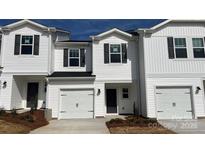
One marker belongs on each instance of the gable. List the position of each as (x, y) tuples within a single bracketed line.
[(180, 29)]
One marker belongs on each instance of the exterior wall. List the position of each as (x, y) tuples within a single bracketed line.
[(58, 59), (127, 104), (5, 98), (25, 63), (61, 36), (14, 96), (156, 51), (105, 72), (100, 104), (41, 90), (198, 99), (53, 92)]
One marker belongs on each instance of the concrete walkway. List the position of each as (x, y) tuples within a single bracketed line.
[(74, 126), (185, 126)]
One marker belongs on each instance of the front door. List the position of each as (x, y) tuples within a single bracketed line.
[(111, 99), (32, 95)]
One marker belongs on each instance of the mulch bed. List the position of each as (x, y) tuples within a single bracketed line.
[(136, 125), (27, 121)]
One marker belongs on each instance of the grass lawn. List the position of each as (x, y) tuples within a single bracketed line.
[(136, 125), (13, 123)]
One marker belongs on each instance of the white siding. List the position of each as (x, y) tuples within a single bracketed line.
[(156, 50), (100, 105), (116, 72), (53, 92), (198, 99), (181, 29), (5, 98), (25, 63), (58, 59)]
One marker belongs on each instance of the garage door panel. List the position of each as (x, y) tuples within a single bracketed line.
[(76, 104), (173, 103)]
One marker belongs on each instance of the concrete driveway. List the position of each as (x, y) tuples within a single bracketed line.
[(74, 126), (185, 126)]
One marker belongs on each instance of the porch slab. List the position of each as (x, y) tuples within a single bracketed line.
[(74, 126)]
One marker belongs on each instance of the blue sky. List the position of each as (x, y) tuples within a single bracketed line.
[(81, 29)]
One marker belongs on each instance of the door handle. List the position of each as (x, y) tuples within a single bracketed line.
[(160, 111), (76, 104), (188, 110), (91, 111)]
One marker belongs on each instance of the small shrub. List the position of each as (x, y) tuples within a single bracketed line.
[(2, 111), (28, 117), (14, 112)]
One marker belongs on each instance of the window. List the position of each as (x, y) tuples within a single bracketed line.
[(198, 47), (125, 93), (26, 45), (115, 53), (74, 57), (180, 48)]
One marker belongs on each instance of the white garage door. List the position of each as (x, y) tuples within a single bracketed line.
[(174, 103), (76, 104)]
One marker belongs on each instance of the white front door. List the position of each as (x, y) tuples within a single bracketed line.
[(76, 104), (174, 103)]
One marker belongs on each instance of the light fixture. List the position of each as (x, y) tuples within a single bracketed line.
[(98, 93), (197, 90), (4, 84)]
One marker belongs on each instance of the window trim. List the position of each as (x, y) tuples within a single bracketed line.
[(198, 47), (120, 53), (180, 47), (125, 93), (20, 53), (74, 57)]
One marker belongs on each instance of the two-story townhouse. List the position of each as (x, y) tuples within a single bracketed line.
[(42, 67), (26, 60), (94, 78), (172, 69)]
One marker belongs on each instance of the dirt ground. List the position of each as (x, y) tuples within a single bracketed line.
[(136, 125), (12, 123)]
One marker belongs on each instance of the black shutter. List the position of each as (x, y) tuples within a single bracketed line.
[(17, 44), (124, 52), (170, 47), (106, 53), (82, 57), (36, 44), (65, 58)]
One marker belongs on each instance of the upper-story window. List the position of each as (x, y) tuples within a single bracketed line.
[(180, 47), (26, 45), (115, 53), (198, 47), (74, 57)]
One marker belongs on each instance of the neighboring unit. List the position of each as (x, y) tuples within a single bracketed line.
[(172, 69)]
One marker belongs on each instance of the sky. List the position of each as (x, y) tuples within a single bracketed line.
[(81, 29)]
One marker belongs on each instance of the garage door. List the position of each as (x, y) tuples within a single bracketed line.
[(174, 103), (76, 104)]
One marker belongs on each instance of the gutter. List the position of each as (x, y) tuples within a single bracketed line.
[(71, 78)]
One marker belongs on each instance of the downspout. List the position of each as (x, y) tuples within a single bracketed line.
[(142, 35)]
